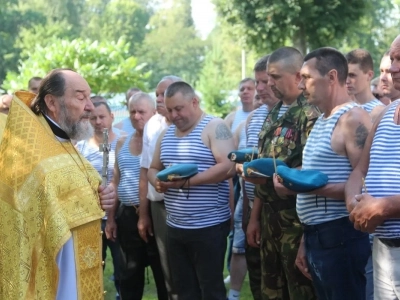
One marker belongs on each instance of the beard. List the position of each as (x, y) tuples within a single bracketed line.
[(76, 130)]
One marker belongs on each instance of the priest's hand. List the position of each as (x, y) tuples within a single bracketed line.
[(111, 229), (107, 196)]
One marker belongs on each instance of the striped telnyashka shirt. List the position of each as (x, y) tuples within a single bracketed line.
[(129, 169), (253, 130), (197, 206), (369, 106), (318, 155), (383, 177)]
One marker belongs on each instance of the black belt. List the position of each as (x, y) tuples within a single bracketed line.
[(338, 222), (393, 243), (275, 206)]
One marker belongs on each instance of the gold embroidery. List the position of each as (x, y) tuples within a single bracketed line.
[(44, 197), (88, 265)]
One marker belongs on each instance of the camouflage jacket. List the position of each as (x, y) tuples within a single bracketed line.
[(289, 135)]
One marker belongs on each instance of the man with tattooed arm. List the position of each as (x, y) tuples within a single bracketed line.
[(332, 252)]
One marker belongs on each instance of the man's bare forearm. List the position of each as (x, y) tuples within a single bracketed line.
[(331, 190), (151, 176), (215, 174), (256, 211), (143, 189), (353, 186)]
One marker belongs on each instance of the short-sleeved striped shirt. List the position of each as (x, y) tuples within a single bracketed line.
[(383, 177), (196, 206), (318, 155), (253, 130), (369, 106), (95, 157), (255, 125), (129, 169)]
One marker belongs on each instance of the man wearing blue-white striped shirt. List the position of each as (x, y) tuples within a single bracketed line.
[(198, 214), (254, 124), (332, 251), (377, 209), (361, 72)]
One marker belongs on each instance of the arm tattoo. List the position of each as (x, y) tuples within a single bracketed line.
[(361, 135), (222, 132)]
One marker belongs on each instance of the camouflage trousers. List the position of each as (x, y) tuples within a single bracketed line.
[(253, 260), (280, 239)]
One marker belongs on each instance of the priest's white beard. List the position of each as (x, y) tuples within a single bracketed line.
[(76, 130)]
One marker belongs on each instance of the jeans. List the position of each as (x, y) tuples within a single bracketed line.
[(337, 255), (239, 239), (196, 258), (236, 191)]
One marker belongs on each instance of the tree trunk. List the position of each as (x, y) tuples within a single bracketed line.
[(299, 40)]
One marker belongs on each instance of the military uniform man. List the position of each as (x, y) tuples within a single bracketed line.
[(282, 136)]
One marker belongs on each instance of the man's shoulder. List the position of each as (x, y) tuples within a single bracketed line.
[(354, 116), (218, 128)]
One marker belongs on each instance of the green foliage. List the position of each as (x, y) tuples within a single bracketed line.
[(375, 31), (171, 46), (110, 20), (12, 20), (221, 73), (213, 86), (268, 24), (108, 67)]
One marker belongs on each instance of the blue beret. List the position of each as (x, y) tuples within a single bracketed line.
[(301, 181), (178, 171), (263, 167), (243, 155)]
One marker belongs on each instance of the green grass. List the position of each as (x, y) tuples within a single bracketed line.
[(150, 288)]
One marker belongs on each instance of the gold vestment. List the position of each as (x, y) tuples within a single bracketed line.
[(48, 192), (3, 120)]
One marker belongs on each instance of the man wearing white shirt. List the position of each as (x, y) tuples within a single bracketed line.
[(152, 218)]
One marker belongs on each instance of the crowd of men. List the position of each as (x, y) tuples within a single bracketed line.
[(322, 111)]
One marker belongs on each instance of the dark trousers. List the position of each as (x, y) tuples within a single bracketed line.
[(159, 216), (135, 256), (196, 259), (337, 255), (114, 249)]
